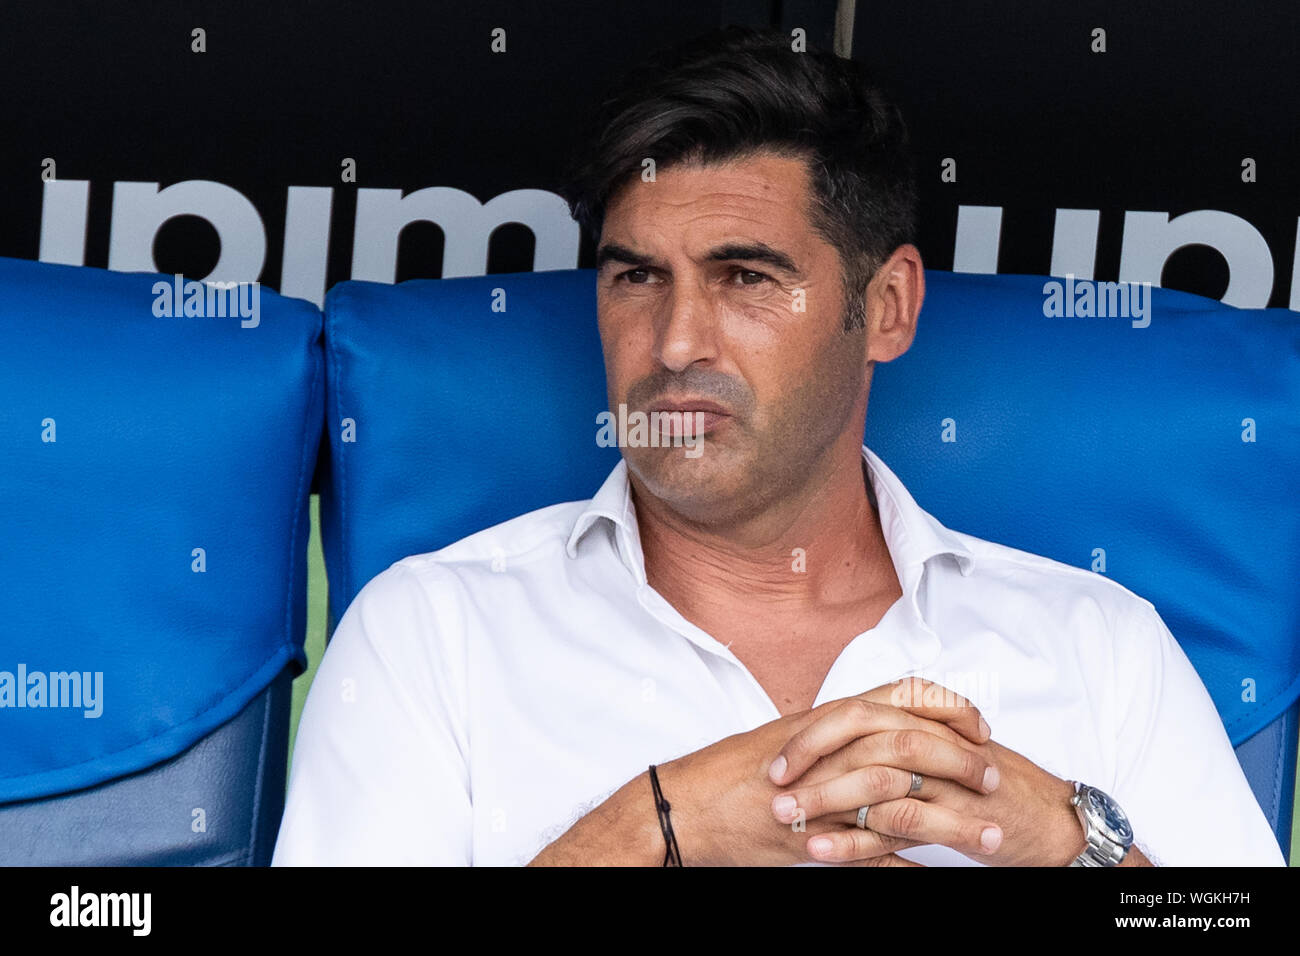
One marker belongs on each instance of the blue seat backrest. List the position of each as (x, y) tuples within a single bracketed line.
[(451, 407)]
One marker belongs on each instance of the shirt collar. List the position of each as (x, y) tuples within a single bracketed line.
[(914, 537), (613, 502)]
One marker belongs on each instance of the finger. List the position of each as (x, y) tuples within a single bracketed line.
[(933, 757), (888, 759), (933, 701), (925, 698), (932, 823), (889, 859), (865, 786), (854, 717), (933, 790), (857, 846)]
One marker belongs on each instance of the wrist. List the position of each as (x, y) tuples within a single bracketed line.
[(1069, 835), (621, 831), (645, 843), (689, 828), (1107, 831)]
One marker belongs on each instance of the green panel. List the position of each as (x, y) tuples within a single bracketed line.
[(1295, 827), (317, 594)]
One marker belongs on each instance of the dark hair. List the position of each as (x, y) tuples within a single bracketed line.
[(736, 91)]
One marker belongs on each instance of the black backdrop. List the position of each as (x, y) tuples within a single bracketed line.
[(1013, 93), (1159, 122)]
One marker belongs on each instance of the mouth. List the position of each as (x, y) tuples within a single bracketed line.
[(689, 417), (690, 405)]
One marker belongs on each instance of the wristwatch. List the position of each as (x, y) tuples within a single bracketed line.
[(1105, 827)]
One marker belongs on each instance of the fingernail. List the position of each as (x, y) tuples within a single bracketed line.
[(991, 839), (991, 778), (984, 728), (784, 805), (820, 845), (777, 770)]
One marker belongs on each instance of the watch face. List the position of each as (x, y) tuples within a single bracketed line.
[(1109, 812)]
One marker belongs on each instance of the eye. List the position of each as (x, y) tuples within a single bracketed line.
[(750, 277), (635, 276)]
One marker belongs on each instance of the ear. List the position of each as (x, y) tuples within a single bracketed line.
[(893, 304)]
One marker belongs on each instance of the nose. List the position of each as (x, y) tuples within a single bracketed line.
[(687, 327)]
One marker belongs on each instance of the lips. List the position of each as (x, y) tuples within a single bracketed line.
[(691, 405), (706, 414)]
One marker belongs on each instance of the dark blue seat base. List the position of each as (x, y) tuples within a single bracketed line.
[(1269, 759), (235, 776)]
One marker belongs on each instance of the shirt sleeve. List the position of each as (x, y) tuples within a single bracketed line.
[(380, 770), (1177, 776)]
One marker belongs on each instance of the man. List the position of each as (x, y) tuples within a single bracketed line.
[(721, 658)]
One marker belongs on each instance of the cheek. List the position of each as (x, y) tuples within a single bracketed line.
[(627, 353), (757, 325), (772, 349), (781, 319)]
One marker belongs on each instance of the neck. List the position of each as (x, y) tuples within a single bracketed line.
[(820, 548)]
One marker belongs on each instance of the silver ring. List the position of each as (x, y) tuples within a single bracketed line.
[(862, 817), (916, 782)]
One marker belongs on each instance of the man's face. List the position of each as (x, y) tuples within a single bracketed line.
[(716, 294)]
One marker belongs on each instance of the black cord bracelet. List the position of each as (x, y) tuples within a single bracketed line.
[(673, 856)]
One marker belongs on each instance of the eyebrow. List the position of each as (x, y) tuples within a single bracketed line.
[(613, 252), (754, 252), (732, 251)]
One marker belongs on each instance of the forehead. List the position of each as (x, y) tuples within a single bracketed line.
[(763, 195)]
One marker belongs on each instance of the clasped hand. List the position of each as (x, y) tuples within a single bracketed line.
[(975, 796)]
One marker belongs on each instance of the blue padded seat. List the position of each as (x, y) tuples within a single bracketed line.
[(153, 533)]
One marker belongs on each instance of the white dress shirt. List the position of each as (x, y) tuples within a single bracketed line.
[(476, 701)]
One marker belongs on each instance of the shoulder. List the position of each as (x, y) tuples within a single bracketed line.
[(434, 584), (418, 621), (1067, 608), (489, 558)]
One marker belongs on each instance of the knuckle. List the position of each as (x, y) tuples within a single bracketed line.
[(812, 801), (864, 712), (879, 781), (909, 818), (907, 744)]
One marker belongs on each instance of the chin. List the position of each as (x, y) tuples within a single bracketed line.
[(703, 489)]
